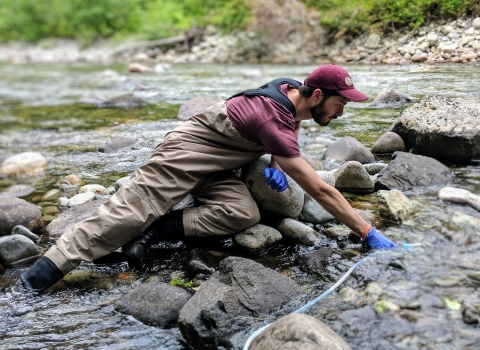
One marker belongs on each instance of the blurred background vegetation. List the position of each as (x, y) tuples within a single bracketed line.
[(88, 20)]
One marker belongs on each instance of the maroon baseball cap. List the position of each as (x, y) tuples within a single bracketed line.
[(333, 77)]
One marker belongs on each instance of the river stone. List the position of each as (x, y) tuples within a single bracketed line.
[(312, 211), (315, 261), (407, 171), (17, 250), (348, 148), (257, 238), (23, 231), (442, 128), (116, 143), (298, 232), (393, 206), (16, 211), (374, 168), (123, 101), (81, 198), (121, 182), (99, 189), (72, 216), (389, 143), (352, 177), (231, 301), (288, 203), (298, 332), (157, 304), (72, 180), (17, 191), (196, 105), (476, 23), (26, 163), (460, 196), (373, 41), (391, 98)]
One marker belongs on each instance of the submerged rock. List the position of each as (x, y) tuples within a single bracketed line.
[(349, 149), (393, 206), (460, 196), (116, 143), (391, 98)]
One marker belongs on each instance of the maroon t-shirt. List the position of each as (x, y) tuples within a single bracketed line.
[(266, 122)]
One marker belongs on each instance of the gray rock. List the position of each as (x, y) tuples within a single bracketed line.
[(298, 232), (442, 128), (337, 232), (22, 230), (257, 238), (288, 203), (16, 250), (374, 168), (121, 182), (460, 196), (393, 206), (315, 262), (390, 98), (389, 143), (373, 41), (231, 301), (476, 23), (196, 105), (17, 191), (81, 198), (72, 216), (348, 148), (299, 332), (157, 304), (407, 171), (116, 143), (16, 211), (312, 211), (352, 177)]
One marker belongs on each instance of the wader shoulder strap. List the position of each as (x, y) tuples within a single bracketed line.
[(272, 90)]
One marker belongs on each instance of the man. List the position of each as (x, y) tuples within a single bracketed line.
[(198, 158)]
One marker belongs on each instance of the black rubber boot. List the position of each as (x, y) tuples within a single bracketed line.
[(43, 274), (168, 228)]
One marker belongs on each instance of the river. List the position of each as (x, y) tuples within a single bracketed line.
[(406, 299)]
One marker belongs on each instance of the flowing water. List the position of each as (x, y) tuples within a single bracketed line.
[(404, 299)]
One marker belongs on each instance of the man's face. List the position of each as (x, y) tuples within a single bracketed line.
[(328, 109)]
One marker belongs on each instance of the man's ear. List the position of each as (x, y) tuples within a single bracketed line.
[(317, 95)]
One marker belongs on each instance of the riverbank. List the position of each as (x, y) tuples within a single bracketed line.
[(455, 41)]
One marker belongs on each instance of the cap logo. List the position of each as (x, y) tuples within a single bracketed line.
[(348, 81)]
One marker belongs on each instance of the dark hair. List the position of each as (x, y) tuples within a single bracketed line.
[(307, 91)]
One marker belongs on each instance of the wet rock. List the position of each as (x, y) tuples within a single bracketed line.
[(315, 262), (298, 232), (17, 191), (196, 105), (257, 238), (374, 168), (16, 211), (391, 98), (72, 216), (441, 128), (98, 189), (288, 203), (24, 164), (155, 303), (337, 232), (116, 143), (470, 313), (124, 101), (72, 179), (23, 231), (81, 198), (393, 206), (312, 211), (407, 171), (352, 177), (347, 149), (203, 263), (298, 331), (231, 300), (389, 143), (460, 196), (411, 316), (139, 68), (17, 250)]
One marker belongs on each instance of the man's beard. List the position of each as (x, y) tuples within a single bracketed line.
[(319, 114)]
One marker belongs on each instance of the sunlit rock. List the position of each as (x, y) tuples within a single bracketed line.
[(388, 143), (71, 179), (81, 198), (99, 189), (24, 164), (460, 196), (393, 206), (298, 331)]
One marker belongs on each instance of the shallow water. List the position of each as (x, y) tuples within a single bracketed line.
[(41, 110)]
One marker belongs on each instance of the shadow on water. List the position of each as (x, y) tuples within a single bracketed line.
[(402, 299)]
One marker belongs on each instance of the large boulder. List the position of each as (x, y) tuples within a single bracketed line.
[(348, 148), (442, 128), (16, 211), (298, 332), (407, 171), (288, 203), (232, 300), (156, 304)]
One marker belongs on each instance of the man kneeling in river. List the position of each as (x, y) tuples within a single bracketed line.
[(198, 158)]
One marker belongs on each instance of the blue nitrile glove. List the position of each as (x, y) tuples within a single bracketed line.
[(276, 179), (376, 240)]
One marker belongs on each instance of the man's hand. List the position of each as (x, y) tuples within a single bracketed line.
[(276, 179), (376, 240)]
